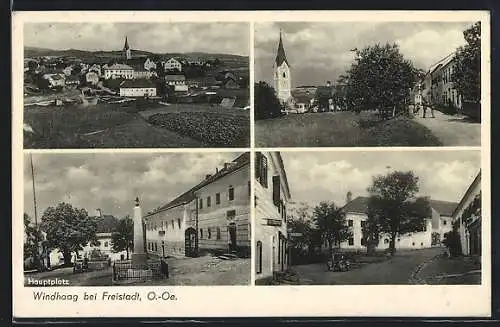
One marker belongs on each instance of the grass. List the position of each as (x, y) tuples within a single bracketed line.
[(120, 125), (341, 129)]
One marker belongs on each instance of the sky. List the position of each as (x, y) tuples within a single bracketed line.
[(227, 38), (328, 176), (111, 181), (318, 52)]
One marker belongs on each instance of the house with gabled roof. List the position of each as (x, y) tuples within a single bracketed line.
[(356, 211), (212, 216)]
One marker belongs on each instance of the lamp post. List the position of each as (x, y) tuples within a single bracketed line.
[(37, 241)]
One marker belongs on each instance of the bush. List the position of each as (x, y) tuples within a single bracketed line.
[(266, 103), (452, 242)]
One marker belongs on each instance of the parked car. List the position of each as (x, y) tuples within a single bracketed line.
[(338, 262), (80, 265)]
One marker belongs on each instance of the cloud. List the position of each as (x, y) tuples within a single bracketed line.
[(320, 51), (328, 176), (112, 181), (230, 38)]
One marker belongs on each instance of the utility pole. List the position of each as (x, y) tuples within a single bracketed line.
[(37, 261)]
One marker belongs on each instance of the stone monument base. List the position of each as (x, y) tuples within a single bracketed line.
[(139, 260)]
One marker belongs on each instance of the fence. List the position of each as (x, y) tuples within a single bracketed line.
[(125, 271)]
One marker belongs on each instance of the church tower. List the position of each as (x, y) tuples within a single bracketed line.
[(127, 50), (282, 79)]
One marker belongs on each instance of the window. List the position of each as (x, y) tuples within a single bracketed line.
[(201, 204), (217, 198), (218, 233), (399, 240), (258, 258), (363, 241), (413, 244), (386, 240), (350, 222), (276, 190), (209, 201), (231, 214), (209, 232), (230, 194), (173, 226), (363, 224), (351, 241), (261, 169), (201, 233), (105, 244), (444, 222), (156, 247), (179, 223), (249, 188), (421, 243), (284, 75)]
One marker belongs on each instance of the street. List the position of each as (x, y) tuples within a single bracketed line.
[(451, 130), (408, 267), (206, 270)]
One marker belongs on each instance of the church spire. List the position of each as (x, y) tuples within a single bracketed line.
[(281, 56), (126, 47)]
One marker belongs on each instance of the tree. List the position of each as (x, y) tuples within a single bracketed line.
[(32, 239), (379, 78), (331, 223), (266, 103), (123, 237), (467, 72), (299, 220), (77, 69), (68, 229), (393, 207)]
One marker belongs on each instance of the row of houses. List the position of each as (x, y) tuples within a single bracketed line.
[(437, 85)]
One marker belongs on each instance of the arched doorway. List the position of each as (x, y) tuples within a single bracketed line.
[(231, 229), (190, 240)]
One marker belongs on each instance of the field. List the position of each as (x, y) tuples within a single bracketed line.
[(108, 125), (344, 129)]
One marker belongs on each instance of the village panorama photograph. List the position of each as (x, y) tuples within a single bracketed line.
[(368, 218), (136, 85), (136, 219), (346, 84)]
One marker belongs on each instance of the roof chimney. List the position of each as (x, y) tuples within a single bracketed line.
[(348, 197)]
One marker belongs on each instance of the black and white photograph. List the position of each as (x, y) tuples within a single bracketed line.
[(137, 219), (349, 84), (368, 218), (136, 85)]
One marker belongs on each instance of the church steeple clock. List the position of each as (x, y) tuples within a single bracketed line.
[(127, 50), (282, 78)]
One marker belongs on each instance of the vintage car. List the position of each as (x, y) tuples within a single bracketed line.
[(80, 265)]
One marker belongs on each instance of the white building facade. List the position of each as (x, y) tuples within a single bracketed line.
[(118, 71), (171, 64), (272, 196)]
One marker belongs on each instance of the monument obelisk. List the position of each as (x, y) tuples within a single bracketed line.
[(139, 256)]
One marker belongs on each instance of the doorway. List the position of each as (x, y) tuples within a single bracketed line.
[(190, 242), (231, 228)]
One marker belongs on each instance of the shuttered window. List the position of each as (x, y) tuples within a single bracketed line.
[(217, 198), (276, 191), (261, 169)]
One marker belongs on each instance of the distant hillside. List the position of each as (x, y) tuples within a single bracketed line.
[(30, 52)]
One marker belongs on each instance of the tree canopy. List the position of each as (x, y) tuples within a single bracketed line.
[(123, 238), (394, 208), (467, 72), (266, 104), (33, 237), (331, 222), (380, 77), (68, 229)]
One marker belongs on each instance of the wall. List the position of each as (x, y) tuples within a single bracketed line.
[(137, 92), (265, 209), (282, 85), (417, 240), (173, 238), (216, 216), (465, 202)]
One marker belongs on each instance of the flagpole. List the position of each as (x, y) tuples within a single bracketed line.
[(35, 209)]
